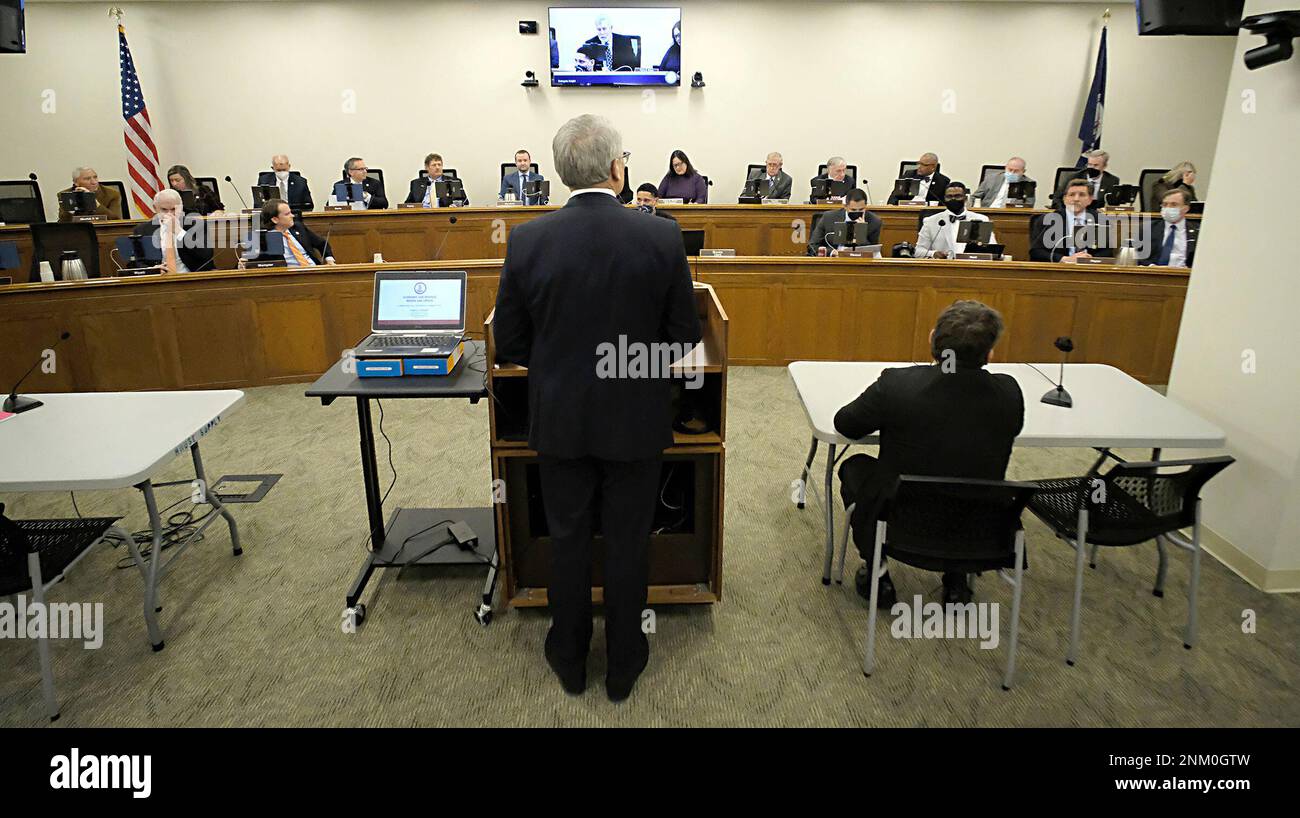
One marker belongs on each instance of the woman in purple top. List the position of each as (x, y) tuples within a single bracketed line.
[(682, 182)]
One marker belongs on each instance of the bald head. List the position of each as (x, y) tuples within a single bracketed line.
[(279, 162)]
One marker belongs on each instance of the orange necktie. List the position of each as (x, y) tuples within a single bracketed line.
[(169, 248), (303, 261)]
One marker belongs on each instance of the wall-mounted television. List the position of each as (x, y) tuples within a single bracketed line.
[(13, 34), (615, 46)]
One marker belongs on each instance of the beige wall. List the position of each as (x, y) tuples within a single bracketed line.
[(1242, 309), (866, 79)]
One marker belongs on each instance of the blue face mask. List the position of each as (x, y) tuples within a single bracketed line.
[(1013, 177)]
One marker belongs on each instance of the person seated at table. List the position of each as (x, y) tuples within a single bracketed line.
[(293, 186), (614, 51), (951, 418), (1095, 174), (423, 191), (517, 180), (1052, 235), (108, 202), (355, 172), (933, 183), (1181, 177), (1173, 237), (855, 209), (180, 236), (993, 192), (180, 180), (837, 170), (647, 201), (683, 182), (938, 235), (672, 60), (302, 247), (773, 183)]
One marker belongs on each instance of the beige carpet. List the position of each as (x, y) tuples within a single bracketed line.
[(257, 640)]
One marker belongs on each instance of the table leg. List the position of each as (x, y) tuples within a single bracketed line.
[(807, 467), (829, 500), (211, 498), (151, 570), (374, 510)]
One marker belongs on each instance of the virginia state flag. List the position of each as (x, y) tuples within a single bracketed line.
[(1090, 125)]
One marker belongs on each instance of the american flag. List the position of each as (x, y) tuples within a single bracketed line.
[(141, 154)]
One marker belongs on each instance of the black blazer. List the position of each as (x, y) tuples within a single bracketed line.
[(1045, 236), (941, 424), (421, 184), (1158, 239), (208, 202), (572, 282), (197, 259), (317, 248), (378, 201), (625, 55), (938, 186), (827, 224), (299, 194)]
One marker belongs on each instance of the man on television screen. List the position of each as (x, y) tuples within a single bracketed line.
[(615, 51)]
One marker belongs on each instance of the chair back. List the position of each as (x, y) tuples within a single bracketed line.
[(988, 172), (20, 202), (908, 165), (1063, 174), (926, 212), (209, 182), (124, 202), (1141, 500), (506, 167), (1147, 188), (850, 170), (376, 173), (955, 524), (49, 241)]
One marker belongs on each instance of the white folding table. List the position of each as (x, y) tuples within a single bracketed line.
[(1111, 410), (113, 440)]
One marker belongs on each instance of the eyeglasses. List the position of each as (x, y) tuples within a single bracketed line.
[(626, 155)]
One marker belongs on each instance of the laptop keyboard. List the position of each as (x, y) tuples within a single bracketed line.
[(387, 341)]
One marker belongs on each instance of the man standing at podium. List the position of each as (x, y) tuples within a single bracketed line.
[(589, 275)]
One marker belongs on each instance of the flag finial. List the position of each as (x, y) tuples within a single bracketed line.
[(115, 11), (1105, 17)]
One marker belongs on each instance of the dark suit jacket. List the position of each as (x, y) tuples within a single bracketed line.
[(421, 184), (574, 280), (831, 220), (848, 177), (317, 248), (208, 202), (299, 194), (197, 259), (938, 186), (941, 424), (1158, 239), (624, 54), (783, 188), (378, 201), (511, 182), (1108, 181), (1046, 233)]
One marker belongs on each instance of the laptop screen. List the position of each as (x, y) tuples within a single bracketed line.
[(419, 301)]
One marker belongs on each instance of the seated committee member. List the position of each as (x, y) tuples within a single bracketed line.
[(372, 190), (933, 183), (951, 418), (1173, 237), (683, 182), (302, 247), (422, 189), (1181, 177), (173, 231), (938, 235), (1051, 236), (620, 280), (773, 183), (613, 52), (837, 170), (518, 179), (672, 60), (855, 209), (993, 192), (647, 201), (293, 187), (180, 180), (1099, 179), (108, 202)]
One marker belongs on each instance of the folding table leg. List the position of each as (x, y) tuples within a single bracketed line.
[(151, 570), (830, 514), (43, 643), (211, 497), (807, 467)]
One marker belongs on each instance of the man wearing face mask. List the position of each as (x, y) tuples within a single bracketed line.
[(993, 193), (938, 236), (1173, 238), (1095, 174), (647, 201), (855, 209), (292, 185)]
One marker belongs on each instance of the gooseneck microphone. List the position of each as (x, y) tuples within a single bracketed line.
[(1058, 396), (237, 193), (18, 403), (445, 236)]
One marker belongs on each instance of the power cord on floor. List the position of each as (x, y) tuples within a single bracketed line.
[(180, 526)]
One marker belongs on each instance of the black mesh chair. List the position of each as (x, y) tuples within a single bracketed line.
[(987, 172), (376, 173), (851, 171), (1147, 188), (20, 202), (951, 525), (451, 172), (1063, 175), (1130, 504), (49, 241), (121, 191), (908, 165), (210, 182), (35, 555)]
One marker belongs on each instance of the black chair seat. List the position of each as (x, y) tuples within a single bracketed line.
[(1125, 518), (59, 543)]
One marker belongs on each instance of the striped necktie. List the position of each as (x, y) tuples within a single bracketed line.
[(289, 242)]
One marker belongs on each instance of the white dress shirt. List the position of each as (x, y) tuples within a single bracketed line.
[(1000, 200), (581, 191), (1178, 254), (935, 237)]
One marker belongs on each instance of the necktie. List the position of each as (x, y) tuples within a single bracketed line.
[(609, 57), (284, 190), (523, 185), (1166, 251), (303, 261), (169, 248)]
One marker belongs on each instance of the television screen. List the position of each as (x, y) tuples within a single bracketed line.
[(616, 46), (13, 35)]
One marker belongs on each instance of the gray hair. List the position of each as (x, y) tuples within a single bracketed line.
[(76, 173), (775, 155), (167, 196), (1105, 157), (835, 160), (583, 149)]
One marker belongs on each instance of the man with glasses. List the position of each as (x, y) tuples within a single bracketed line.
[(372, 190), (933, 183)]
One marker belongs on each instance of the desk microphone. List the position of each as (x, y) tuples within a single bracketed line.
[(1058, 396), (237, 193), (17, 403), (443, 243)]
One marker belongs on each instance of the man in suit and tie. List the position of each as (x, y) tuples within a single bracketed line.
[(1173, 238), (951, 418), (773, 183), (372, 190), (837, 170), (293, 187), (933, 183), (993, 192), (1095, 174), (613, 52), (1072, 231), (108, 202), (423, 190), (180, 236), (517, 180), (302, 247), (938, 235), (822, 242), (576, 282)]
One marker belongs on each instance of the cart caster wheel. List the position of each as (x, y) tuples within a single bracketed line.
[(483, 617)]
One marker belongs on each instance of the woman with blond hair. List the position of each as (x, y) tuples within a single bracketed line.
[(1183, 175)]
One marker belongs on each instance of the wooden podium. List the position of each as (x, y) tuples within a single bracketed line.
[(686, 543)]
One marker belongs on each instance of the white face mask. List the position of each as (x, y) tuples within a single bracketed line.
[(1171, 214), (282, 175)]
